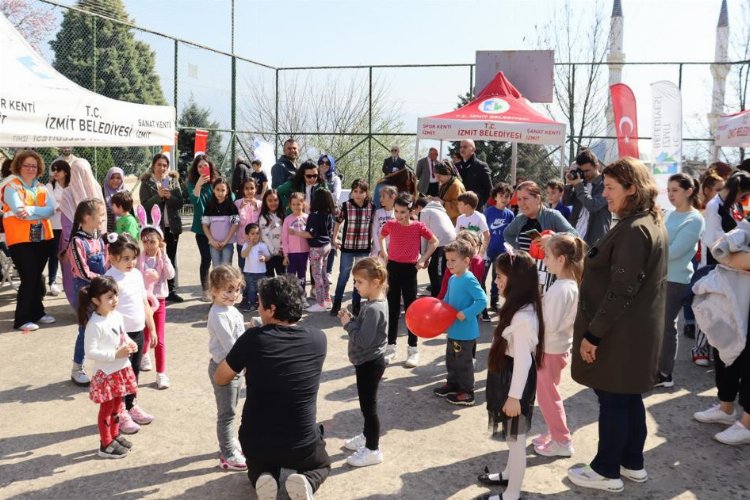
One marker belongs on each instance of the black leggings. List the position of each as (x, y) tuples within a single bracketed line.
[(734, 379), (135, 362), (402, 281), (369, 374), (205, 250), (275, 266), (171, 241)]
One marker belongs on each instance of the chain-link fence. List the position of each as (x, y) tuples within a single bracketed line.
[(354, 113)]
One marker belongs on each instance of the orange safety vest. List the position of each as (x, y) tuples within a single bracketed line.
[(19, 230)]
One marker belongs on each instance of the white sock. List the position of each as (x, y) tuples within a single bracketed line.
[(516, 467)]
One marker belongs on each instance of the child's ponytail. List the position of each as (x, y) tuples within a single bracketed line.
[(572, 248), (98, 287)]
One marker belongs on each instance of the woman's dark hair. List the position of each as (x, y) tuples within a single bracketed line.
[(193, 173), (630, 172), (298, 181), (286, 294), (521, 290), (265, 212), (404, 180), (98, 287), (404, 200), (123, 242), (225, 207), (157, 157), (322, 202), (5, 169), (736, 185), (60, 165), (686, 182)]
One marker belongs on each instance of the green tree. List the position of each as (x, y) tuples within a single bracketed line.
[(534, 161), (101, 54), (197, 117)]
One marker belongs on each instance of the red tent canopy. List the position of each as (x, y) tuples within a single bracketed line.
[(499, 113)]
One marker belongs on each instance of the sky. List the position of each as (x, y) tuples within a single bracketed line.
[(355, 32)]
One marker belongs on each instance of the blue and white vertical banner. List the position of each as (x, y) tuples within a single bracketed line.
[(666, 149)]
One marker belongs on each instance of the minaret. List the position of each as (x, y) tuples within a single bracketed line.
[(719, 71), (615, 58)]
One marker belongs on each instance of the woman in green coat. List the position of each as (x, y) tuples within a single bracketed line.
[(307, 180), (201, 175), (620, 322)]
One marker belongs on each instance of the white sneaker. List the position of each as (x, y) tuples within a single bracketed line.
[(554, 449), (715, 415), (298, 487), (638, 476), (162, 381), (412, 357), (588, 478), (206, 297), (78, 375), (355, 443), (47, 319), (146, 363), (266, 487), (29, 327), (364, 457), (734, 434), (316, 308), (390, 353), (54, 290)]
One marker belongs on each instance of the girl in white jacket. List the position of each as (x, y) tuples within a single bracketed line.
[(563, 256), (108, 345)]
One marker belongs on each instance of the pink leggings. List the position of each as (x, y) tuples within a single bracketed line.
[(160, 350), (318, 262), (108, 423), (548, 397)]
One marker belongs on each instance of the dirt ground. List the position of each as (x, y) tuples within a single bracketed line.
[(48, 436)]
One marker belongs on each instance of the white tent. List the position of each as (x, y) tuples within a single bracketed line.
[(40, 107), (498, 113)]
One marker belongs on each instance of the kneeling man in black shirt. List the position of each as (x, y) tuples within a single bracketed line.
[(282, 364)]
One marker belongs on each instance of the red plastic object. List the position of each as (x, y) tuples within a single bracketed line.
[(428, 317)]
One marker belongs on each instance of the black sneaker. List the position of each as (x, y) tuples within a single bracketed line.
[(663, 380), (173, 297), (113, 450), (335, 308), (689, 331), (123, 441), (444, 391), (486, 316), (461, 399), (493, 303)]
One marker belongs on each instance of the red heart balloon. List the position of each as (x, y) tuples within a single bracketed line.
[(428, 317)]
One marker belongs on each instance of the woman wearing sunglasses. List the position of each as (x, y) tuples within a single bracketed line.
[(307, 181)]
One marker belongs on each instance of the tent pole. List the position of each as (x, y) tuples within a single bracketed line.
[(513, 162), (416, 154), (441, 148), (562, 161)]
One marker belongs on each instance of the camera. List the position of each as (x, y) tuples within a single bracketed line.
[(575, 173)]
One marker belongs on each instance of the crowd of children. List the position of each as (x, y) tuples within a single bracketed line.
[(121, 287)]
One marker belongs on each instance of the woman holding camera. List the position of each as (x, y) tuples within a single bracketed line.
[(161, 186), (620, 322)]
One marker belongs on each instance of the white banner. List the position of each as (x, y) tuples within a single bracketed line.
[(667, 127), (40, 107), (485, 130), (733, 130)]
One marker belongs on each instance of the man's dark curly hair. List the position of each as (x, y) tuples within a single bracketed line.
[(286, 294)]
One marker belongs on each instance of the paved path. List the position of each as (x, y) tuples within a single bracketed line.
[(48, 435)]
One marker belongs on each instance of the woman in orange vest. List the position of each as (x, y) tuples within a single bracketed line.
[(27, 209)]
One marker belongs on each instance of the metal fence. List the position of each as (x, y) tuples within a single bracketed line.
[(355, 113)]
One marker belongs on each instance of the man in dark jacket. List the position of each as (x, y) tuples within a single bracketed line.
[(242, 172), (475, 174), (285, 166), (590, 216), (393, 163)]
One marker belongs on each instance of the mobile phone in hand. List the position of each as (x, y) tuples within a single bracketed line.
[(165, 183), (205, 171)]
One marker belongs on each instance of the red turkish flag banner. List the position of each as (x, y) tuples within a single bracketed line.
[(626, 119), (201, 141)]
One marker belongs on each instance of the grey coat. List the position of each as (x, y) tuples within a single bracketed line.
[(599, 217), (423, 174), (548, 219), (621, 304), (149, 195)]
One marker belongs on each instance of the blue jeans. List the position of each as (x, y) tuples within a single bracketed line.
[(489, 268), (223, 256), (622, 433), (346, 263), (250, 296), (240, 259)]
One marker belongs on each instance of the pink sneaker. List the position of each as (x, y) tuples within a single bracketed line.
[(140, 416), (236, 461), (541, 440), (127, 426), (328, 303)]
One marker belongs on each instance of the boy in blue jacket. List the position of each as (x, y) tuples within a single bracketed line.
[(465, 294)]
